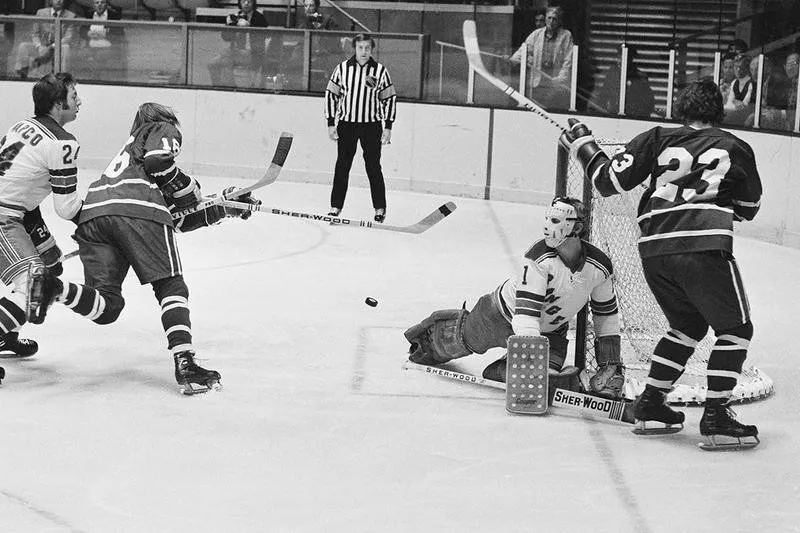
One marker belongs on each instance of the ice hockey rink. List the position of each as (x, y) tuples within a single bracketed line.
[(318, 429)]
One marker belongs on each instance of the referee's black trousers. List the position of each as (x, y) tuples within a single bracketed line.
[(369, 134)]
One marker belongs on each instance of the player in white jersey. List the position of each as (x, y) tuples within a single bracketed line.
[(559, 275), (37, 157)]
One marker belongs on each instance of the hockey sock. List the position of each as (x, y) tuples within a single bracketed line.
[(12, 314), (173, 297), (726, 360), (669, 359), (84, 300)]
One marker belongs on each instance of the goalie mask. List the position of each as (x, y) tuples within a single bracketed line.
[(563, 219)]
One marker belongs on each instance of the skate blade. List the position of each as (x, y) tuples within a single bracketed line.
[(666, 429), (724, 443), (14, 355), (190, 389)]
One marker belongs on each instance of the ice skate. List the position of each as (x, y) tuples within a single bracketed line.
[(651, 406), (43, 288), (12, 347), (608, 382), (722, 431), (192, 378)]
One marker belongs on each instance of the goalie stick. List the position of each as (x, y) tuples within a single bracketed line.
[(620, 411), (269, 177), (423, 225), (475, 61)]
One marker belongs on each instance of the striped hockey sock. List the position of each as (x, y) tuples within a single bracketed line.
[(84, 300), (669, 359), (176, 323), (725, 365)]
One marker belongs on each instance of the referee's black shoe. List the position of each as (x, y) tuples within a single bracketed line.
[(380, 215)]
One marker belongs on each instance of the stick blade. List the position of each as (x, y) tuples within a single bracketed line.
[(282, 150), (473, 50)]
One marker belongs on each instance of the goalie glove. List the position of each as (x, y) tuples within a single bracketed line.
[(580, 141)]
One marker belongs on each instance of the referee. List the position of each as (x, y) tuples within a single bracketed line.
[(360, 95)]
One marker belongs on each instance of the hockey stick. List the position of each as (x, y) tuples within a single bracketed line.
[(620, 411), (269, 177), (423, 225), (475, 61)]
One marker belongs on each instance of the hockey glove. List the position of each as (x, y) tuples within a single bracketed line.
[(245, 198), (580, 141), (43, 240)]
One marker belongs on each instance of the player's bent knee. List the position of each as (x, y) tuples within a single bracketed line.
[(174, 286), (114, 306), (485, 327), (743, 331)]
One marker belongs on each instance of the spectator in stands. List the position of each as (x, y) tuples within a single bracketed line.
[(737, 47), (247, 50), (727, 75), (35, 57), (639, 98), (774, 95), (742, 94), (6, 37), (106, 43), (549, 53), (314, 20), (539, 20)]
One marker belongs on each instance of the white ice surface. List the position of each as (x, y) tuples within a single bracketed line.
[(318, 428)]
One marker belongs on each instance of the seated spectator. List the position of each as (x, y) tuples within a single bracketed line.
[(35, 58), (539, 20), (774, 95), (741, 96), (639, 98), (549, 62), (727, 75), (246, 50), (106, 44), (6, 38), (313, 19)]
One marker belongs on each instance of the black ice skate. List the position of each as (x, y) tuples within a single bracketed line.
[(722, 431), (43, 288), (651, 406), (12, 347), (192, 378)]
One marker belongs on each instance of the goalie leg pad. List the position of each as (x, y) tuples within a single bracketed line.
[(607, 350), (439, 338), (486, 327)]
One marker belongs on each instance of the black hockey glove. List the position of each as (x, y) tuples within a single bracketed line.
[(580, 141), (43, 241)]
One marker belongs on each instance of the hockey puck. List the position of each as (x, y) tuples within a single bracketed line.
[(372, 302)]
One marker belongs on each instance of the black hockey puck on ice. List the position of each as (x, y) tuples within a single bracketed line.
[(372, 302)]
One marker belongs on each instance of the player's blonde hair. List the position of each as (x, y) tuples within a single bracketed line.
[(153, 112)]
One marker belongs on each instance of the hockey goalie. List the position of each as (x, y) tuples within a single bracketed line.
[(559, 275)]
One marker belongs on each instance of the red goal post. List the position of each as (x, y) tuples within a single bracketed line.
[(613, 228)]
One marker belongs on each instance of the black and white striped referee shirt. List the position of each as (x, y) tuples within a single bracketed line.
[(358, 93)]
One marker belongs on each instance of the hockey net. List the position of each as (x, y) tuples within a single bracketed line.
[(614, 230)]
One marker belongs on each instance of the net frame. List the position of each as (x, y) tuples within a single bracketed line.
[(612, 227)]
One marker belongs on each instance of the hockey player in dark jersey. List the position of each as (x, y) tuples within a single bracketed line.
[(126, 222), (37, 157), (559, 275), (699, 180)]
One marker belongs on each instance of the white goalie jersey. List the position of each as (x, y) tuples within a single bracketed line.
[(37, 157), (547, 294)]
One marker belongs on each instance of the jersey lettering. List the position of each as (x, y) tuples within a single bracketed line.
[(120, 162), (7, 156), (678, 163)]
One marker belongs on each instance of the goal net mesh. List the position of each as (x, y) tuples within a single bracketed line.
[(614, 230)]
